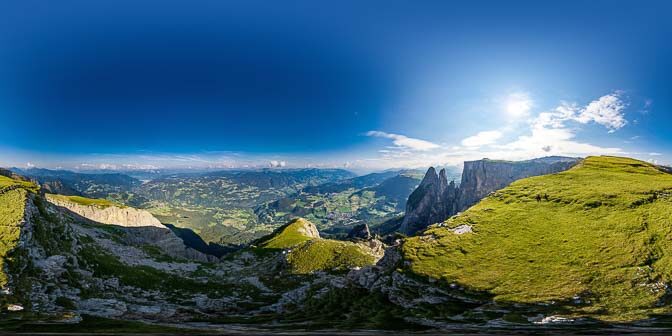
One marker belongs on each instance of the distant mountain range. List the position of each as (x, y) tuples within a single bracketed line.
[(236, 206)]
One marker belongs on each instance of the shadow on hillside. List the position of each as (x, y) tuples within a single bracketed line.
[(140, 235), (193, 240)]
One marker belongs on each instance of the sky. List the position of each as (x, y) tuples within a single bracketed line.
[(360, 85)]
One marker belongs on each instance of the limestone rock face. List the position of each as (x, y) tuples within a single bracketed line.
[(307, 228), (126, 216), (435, 199), (479, 178), (102, 307), (144, 228)]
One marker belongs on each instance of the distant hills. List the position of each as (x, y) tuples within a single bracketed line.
[(232, 207), (71, 183), (575, 250), (338, 206)]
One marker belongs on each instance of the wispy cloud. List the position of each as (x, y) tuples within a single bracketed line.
[(552, 132), (482, 139), (404, 142)]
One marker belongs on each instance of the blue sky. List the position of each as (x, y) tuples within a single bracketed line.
[(341, 84)]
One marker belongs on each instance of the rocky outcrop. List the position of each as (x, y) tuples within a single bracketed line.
[(360, 231), (306, 228), (122, 216), (143, 227), (431, 202), (436, 199)]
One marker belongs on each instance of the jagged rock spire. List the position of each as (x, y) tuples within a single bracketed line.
[(426, 205), (430, 177)]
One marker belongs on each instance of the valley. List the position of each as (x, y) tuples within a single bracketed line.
[(229, 208), (545, 250)]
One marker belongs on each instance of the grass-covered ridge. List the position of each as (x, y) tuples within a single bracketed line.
[(328, 255), (306, 252), (598, 237), (13, 195), (98, 202), (291, 234)]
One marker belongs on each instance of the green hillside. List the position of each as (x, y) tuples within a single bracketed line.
[(291, 234), (307, 252), (13, 200), (328, 255), (99, 202), (595, 240)]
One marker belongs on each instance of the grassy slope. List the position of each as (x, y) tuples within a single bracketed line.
[(12, 206), (328, 255), (604, 234), (287, 236), (99, 202), (309, 254)]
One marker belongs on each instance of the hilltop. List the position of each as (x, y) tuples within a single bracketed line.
[(306, 252), (593, 241)]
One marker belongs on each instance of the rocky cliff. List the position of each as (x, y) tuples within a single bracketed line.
[(144, 228), (436, 199), (433, 201), (108, 213)]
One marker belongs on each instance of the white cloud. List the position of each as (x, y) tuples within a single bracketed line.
[(404, 142), (277, 164), (549, 133), (482, 139), (607, 111)]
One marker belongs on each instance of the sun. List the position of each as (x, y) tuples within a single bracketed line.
[(518, 104)]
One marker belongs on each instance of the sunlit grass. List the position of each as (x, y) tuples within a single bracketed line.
[(287, 236), (99, 202), (306, 254), (601, 232), (13, 195), (328, 255)]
